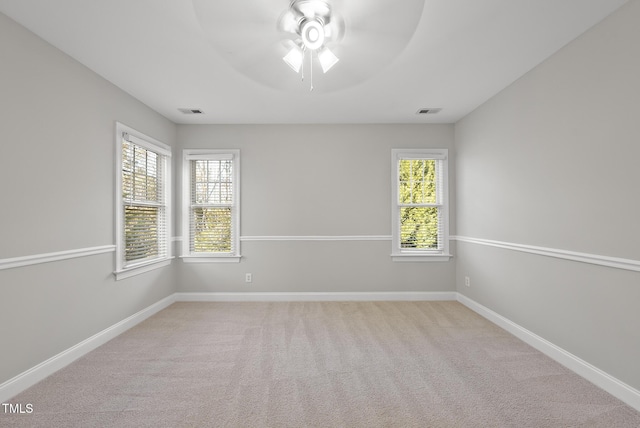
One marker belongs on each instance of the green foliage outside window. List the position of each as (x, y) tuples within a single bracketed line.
[(212, 230), (418, 193), (212, 199), (140, 232), (139, 174), (142, 198)]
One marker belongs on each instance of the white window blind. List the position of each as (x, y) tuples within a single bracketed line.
[(144, 207), (419, 203), (213, 204)]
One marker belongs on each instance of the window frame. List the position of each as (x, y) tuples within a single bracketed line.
[(399, 254), (126, 269), (187, 255)]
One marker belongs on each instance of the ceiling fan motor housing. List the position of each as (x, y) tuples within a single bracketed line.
[(313, 16), (312, 33)]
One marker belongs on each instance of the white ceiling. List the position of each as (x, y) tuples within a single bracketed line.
[(463, 52)]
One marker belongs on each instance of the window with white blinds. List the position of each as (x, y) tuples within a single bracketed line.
[(420, 207), (211, 205), (143, 216)]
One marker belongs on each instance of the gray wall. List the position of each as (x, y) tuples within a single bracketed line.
[(324, 180), (57, 173), (552, 161)]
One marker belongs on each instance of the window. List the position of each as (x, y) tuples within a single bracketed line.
[(420, 205), (211, 208), (143, 203)]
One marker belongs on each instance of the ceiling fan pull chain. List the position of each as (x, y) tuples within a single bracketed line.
[(302, 65), (311, 69)]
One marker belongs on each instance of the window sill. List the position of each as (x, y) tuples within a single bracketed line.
[(211, 259), (421, 257), (142, 268)]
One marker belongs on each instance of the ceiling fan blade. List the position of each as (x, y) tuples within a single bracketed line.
[(288, 22), (335, 28)]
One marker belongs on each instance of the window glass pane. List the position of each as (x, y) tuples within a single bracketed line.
[(200, 193), (127, 156), (211, 230), (212, 181), (140, 232), (225, 193), (225, 170), (417, 181), (142, 212), (419, 228), (213, 171), (127, 185), (140, 173), (127, 170)]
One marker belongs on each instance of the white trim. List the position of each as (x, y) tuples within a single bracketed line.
[(419, 154), (35, 259), (421, 258), (124, 269), (140, 139), (53, 257), (603, 380), (209, 154), (318, 238), (189, 155), (142, 268), (24, 380), (316, 296), (211, 259), (442, 188), (614, 262)]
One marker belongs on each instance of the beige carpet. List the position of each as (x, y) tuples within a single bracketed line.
[(369, 364)]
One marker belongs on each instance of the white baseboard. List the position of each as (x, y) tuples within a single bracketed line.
[(613, 386), (315, 296), (14, 386)]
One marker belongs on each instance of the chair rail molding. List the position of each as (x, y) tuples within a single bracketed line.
[(317, 238), (53, 257), (596, 259)]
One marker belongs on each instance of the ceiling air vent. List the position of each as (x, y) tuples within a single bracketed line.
[(190, 111), (428, 111)]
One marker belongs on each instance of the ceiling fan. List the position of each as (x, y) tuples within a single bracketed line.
[(313, 26), (266, 39)]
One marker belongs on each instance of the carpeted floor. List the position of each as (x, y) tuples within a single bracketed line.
[(356, 364)]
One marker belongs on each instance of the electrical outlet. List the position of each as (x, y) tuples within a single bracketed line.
[(467, 281), (248, 277)]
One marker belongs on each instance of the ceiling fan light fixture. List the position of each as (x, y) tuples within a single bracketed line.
[(312, 33), (327, 59), (294, 58), (309, 26)]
